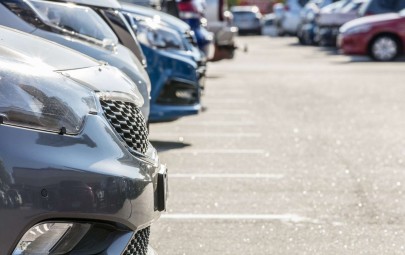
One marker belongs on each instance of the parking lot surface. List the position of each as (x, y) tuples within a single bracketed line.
[(300, 151)]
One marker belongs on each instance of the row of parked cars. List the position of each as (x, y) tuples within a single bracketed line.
[(358, 27), (79, 82)]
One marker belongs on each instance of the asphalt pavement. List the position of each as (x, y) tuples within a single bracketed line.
[(300, 151)]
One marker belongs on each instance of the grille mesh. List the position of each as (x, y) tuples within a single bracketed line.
[(139, 243), (129, 123)]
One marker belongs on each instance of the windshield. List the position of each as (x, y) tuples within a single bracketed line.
[(244, 15), (353, 6), (78, 19)]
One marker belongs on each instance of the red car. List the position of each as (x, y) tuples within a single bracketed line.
[(382, 37)]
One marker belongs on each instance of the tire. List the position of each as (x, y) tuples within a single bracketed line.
[(384, 48)]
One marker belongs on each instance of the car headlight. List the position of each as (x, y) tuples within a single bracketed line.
[(51, 238), (355, 30), (33, 98), (158, 36)]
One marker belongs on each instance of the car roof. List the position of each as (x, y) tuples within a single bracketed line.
[(47, 52), (114, 4)]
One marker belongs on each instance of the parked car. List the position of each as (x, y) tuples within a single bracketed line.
[(176, 91), (291, 17), (373, 7), (247, 19), (220, 22), (278, 11), (81, 29), (382, 37), (268, 25), (309, 14), (192, 12), (185, 35), (62, 105), (331, 19)]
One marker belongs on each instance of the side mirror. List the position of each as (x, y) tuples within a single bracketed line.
[(109, 44)]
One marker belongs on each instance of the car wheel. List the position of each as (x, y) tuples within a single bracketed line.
[(384, 48)]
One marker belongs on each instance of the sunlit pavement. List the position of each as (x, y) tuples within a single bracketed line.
[(300, 151)]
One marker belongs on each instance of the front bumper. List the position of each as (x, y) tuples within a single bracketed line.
[(171, 72), (91, 178), (224, 42), (355, 44), (327, 36)]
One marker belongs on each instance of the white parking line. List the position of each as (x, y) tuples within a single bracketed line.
[(264, 217), (226, 101), (228, 176), (208, 151), (228, 112), (219, 123), (153, 135)]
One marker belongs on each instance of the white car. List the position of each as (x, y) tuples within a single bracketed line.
[(220, 22), (268, 25), (291, 17)]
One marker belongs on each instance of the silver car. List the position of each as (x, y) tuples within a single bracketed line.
[(84, 178), (247, 19)]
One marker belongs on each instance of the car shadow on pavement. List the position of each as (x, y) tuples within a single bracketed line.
[(366, 59), (331, 51), (162, 146)]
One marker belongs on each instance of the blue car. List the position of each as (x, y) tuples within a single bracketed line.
[(174, 76), (192, 12), (187, 42)]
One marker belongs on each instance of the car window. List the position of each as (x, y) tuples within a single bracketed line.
[(400, 5), (243, 15), (122, 29), (353, 6), (78, 19), (268, 22), (380, 6), (24, 11), (302, 2)]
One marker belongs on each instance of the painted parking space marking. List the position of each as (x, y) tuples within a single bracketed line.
[(220, 123), (205, 135), (229, 176), (254, 217), (225, 151)]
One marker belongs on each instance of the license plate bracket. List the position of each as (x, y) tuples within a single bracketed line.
[(162, 189)]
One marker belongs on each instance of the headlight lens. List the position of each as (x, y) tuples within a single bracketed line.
[(51, 238), (355, 30), (34, 98), (154, 35)]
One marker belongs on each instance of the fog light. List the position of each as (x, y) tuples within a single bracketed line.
[(184, 94), (51, 238)]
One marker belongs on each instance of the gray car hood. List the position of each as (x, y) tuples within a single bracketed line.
[(53, 57)]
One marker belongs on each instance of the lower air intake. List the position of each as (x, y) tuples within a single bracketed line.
[(139, 243)]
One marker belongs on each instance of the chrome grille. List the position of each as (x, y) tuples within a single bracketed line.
[(129, 123), (190, 38), (139, 243)]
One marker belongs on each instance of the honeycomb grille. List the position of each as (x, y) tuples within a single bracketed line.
[(139, 243), (129, 123)]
